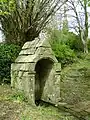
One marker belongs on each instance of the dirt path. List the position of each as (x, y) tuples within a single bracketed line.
[(9, 110), (80, 110)]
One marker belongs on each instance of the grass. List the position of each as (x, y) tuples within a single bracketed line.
[(13, 106), (75, 82)]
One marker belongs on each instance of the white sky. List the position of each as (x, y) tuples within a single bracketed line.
[(70, 19), (1, 36)]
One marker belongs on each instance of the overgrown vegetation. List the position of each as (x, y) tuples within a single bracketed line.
[(8, 54), (66, 45), (18, 96), (63, 53), (75, 81), (62, 44)]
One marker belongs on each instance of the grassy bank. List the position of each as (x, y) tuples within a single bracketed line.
[(13, 106)]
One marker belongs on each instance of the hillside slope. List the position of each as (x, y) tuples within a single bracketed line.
[(75, 82)]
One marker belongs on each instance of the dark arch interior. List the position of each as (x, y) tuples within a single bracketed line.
[(43, 68)]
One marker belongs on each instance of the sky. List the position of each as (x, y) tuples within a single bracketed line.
[(80, 11), (0, 34), (70, 20)]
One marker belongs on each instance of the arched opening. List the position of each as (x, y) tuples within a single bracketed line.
[(42, 68)]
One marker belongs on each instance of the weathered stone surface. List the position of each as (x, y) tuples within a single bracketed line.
[(57, 67), (52, 94), (43, 50), (43, 43), (36, 71), (34, 58), (28, 51), (30, 67), (31, 44), (24, 59)]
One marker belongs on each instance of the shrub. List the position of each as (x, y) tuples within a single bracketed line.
[(89, 44), (74, 42), (67, 38), (8, 54), (63, 53)]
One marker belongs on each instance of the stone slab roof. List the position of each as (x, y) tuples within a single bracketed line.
[(34, 50)]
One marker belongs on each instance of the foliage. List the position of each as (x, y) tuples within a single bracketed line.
[(67, 38), (8, 54), (63, 53), (63, 46), (75, 81), (80, 20), (6, 6), (74, 42), (18, 96)]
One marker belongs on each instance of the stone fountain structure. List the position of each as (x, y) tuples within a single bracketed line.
[(36, 72)]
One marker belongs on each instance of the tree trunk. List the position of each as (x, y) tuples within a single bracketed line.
[(84, 40), (86, 27), (85, 47)]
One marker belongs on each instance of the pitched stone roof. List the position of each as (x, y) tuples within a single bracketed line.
[(34, 50)]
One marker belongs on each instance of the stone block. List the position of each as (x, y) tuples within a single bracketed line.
[(43, 43), (31, 44), (28, 51), (29, 67), (25, 59)]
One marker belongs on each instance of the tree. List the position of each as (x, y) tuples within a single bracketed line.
[(81, 17), (6, 6), (65, 21), (28, 19)]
